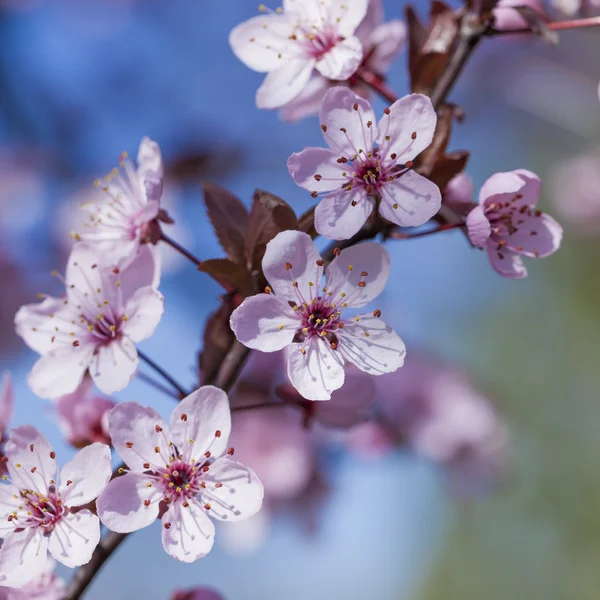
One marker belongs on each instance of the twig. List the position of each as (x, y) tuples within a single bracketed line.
[(163, 374), (377, 84), (553, 26), (180, 249), (157, 385), (399, 235)]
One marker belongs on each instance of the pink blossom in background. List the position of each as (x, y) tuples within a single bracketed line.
[(507, 18), (575, 191), (381, 42), (105, 312), (434, 410), (368, 161), (573, 7), (199, 593), (46, 586), (36, 506), (294, 270), (291, 44), (83, 417), (188, 471), (6, 410), (509, 226), (117, 223)]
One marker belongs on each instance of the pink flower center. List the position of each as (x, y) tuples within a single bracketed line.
[(180, 481), (319, 318), (42, 510), (316, 43)]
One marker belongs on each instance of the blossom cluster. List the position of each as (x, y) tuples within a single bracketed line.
[(333, 361)]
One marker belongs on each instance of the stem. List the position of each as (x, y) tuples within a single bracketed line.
[(553, 26), (158, 386), (163, 374), (377, 84), (258, 406), (398, 235), (231, 366), (467, 44), (84, 576), (180, 249)]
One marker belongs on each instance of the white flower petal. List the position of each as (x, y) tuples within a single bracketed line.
[(114, 365), (74, 538)]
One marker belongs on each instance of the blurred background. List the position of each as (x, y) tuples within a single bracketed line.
[(80, 82)]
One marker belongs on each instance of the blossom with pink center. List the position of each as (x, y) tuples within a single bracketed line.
[(46, 586), (95, 326), (6, 409), (117, 221), (199, 593), (83, 417), (189, 473), (381, 42), (301, 313), (37, 505), (507, 18), (368, 164), (509, 226), (290, 44)]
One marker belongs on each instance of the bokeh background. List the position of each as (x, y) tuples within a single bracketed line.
[(82, 81)]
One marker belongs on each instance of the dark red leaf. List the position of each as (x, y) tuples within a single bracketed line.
[(229, 218), (306, 223), (232, 276), (449, 166), (269, 216)]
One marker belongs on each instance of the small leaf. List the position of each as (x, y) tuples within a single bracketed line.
[(218, 338), (449, 166), (229, 218), (269, 216), (306, 223), (232, 276)]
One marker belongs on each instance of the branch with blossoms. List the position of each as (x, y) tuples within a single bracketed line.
[(389, 178)]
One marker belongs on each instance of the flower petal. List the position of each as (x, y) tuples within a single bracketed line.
[(149, 159), (344, 274), (190, 535), (308, 102), (263, 322), (291, 248), (114, 365), (342, 61), (23, 557), (505, 262), (142, 271), (410, 126), (144, 311), (338, 114), (88, 471), (537, 236), (478, 227), (337, 218), (60, 372), (259, 41), (316, 373), (500, 187), (239, 494), (84, 275), (30, 463), (387, 42), (284, 83), (200, 417), (371, 345), (121, 505), (33, 323), (410, 200), (142, 428), (74, 538), (317, 170), (347, 15)]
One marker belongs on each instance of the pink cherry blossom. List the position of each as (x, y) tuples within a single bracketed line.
[(381, 42), (95, 326), (435, 411), (117, 221), (36, 506), (6, 409), (307, 317), (289, 45), (368, 164), (188, 472), (199, 593), (575, 191), (509, 226), (46, 586), (83, 417), (507, 18)]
